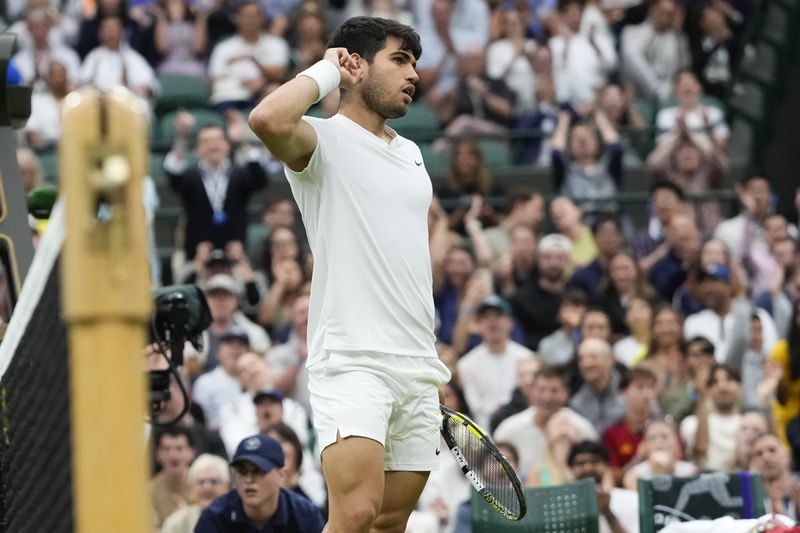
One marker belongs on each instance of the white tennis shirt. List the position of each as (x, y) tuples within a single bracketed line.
[(364, 203)]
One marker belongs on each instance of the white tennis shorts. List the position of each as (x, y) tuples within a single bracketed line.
[(392, 399)]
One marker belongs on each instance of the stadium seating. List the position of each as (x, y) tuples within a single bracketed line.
[(496, 153), (708, 496), (419, 123), (436, 161), (569, 508), (181, 91)]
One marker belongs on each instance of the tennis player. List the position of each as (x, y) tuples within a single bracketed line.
[(364, 195)]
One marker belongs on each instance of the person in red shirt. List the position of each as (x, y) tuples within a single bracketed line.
[(623, 438)]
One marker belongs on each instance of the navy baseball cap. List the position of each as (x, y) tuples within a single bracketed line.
[(261, 450), (268, 394)]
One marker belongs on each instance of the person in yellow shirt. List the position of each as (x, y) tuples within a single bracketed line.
[(786, 353)]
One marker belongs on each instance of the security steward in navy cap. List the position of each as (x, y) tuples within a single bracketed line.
[(258, 504)]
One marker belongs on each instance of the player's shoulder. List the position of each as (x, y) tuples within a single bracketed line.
[(324, 125), (329, 131), (314, 121)]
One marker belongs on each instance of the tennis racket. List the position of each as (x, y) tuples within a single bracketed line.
[(484, 465)]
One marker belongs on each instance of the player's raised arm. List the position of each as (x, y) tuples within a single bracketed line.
[(277, 119)]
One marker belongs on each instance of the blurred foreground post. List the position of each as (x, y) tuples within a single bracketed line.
[(107, 303)]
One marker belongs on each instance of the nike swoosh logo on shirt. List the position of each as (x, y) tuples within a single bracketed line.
[(418, 163)]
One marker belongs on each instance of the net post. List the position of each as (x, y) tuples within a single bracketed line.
[(107, 302)]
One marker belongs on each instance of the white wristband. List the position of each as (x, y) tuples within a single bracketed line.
[(325, 75)]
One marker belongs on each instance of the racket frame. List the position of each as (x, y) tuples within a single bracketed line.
[(497, 455)]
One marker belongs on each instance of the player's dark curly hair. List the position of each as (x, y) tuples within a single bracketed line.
[(366, 36)]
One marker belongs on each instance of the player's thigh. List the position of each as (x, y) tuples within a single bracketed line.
[(353, 469), (348, 399), (400, 495)]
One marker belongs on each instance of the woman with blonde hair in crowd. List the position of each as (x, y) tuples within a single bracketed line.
[(660, 454)]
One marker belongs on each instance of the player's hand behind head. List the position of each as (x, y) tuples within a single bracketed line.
[(348, 67)]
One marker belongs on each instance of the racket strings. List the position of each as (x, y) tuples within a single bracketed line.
[(485, 466)]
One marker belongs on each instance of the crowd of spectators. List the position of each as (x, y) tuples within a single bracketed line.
[(588, 344)]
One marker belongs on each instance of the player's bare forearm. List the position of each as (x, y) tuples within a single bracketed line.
[(277, 121)]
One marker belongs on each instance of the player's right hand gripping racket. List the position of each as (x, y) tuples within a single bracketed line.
[(483, 464)]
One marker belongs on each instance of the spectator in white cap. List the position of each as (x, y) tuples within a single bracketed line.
[(537, 302), (222, 293)]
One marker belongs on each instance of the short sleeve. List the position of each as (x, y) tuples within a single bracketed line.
[(327, 140)]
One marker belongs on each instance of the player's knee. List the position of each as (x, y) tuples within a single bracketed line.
[(393, 522), (357, 516)]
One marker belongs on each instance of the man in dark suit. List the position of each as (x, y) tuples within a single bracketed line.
[(214, 191)]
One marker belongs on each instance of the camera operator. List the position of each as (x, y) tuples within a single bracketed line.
[(180, 318)]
